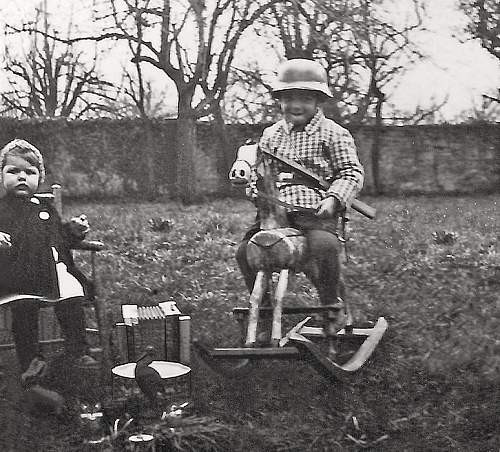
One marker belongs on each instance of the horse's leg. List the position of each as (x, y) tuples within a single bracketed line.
[(278, 306), (259, 288)]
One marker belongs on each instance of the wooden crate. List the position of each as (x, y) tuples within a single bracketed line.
[(168, 334)]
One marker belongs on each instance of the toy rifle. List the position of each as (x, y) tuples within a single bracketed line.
[(356, 204)]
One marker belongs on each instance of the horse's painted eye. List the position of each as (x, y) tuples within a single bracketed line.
[(242, 173)]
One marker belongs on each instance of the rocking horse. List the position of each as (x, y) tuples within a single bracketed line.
[(280, 249)]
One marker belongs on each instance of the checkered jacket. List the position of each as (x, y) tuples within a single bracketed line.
[(323, 147)]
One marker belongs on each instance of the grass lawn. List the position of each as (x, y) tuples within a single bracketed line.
[(433, 384)]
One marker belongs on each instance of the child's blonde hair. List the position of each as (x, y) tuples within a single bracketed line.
[(26, 150)]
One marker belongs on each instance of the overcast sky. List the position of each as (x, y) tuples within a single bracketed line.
[(461, 71)]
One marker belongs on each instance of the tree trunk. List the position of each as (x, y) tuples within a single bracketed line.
[(221, 154), (149, 151), (186, 186), (376, 145)]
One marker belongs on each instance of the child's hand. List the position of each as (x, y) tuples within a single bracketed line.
[(79, 227), (251, 192), (328, 207), (5, 240)]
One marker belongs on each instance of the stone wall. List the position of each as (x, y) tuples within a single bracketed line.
[(137, 158), (434, 159)]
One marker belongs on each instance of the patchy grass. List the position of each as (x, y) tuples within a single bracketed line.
[(431, 266)]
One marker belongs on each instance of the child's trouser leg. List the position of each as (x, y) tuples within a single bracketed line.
[(25, 331), (72, 321), (324, 250)]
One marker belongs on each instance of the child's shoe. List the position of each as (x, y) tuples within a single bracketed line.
[(35, 372)]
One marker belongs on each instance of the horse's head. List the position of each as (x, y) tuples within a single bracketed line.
[(246, 157), (271, 215)]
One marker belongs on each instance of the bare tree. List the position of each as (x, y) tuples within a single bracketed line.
[(53, 79), (247, 99), (384, 51), (136, 88), (418, 115), (362, 50), (358, 45), (484, 24), (147, 102), (355, 40), (193, 43), (138, 98)]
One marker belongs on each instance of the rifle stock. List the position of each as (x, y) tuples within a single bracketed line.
[(364, 209)]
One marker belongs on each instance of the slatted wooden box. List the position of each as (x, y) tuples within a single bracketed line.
[(162, 326)]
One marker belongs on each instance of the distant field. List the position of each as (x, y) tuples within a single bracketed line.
[(433, 384)]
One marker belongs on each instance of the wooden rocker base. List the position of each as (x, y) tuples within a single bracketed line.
[(300, 348), (327, 367), (237, 366)]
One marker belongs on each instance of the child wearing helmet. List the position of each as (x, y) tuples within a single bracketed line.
[(35, 258), (323, 147)]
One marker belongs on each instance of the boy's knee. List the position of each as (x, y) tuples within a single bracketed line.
[(323, 243)]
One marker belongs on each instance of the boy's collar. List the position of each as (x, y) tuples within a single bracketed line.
[(310, 127)]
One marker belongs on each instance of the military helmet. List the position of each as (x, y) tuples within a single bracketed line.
[(300, 73)]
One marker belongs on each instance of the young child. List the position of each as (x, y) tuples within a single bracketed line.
[(35, 259), (307, 137)]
